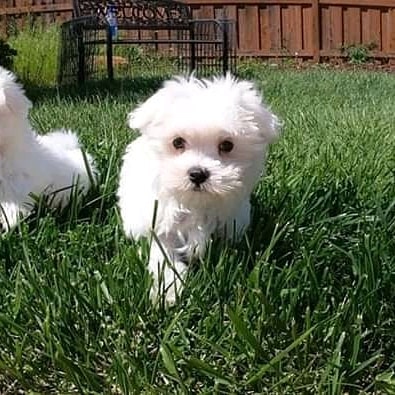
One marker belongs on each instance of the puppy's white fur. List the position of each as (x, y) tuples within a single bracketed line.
[(204, 113), (31, 165)]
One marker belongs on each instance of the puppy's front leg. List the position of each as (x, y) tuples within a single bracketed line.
[(237, 225), (168, 272), (9, 215)]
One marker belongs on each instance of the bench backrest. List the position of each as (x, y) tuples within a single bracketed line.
[(159, 13)]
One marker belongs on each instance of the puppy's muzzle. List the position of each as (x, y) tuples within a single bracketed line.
[(198, 175)]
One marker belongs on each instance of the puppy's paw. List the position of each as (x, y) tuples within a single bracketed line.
[(170, 293), (10, 214), (168, 283)]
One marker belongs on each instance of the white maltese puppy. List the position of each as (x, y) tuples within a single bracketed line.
[(32, 165), (201, 151)]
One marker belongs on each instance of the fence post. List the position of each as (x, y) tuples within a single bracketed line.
[(109, 53), (316, 30), (192, 48), (225, 45)]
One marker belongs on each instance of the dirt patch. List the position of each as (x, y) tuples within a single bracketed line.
[(334, 64)]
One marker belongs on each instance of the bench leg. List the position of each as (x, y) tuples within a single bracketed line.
[(225, 48), (81, 57), (192, 64), (110, 67)]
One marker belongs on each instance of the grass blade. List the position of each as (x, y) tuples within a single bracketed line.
[(281, 355), (245, 333)]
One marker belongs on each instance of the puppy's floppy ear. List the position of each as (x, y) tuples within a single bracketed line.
[(257, 113), (148, 113), (12, 96), (2, 101), (161, 106), (269, 125)]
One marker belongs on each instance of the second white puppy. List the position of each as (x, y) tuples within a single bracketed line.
[(201, 151), (31, 165)]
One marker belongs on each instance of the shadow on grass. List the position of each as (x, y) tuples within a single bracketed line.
[(135, 88)]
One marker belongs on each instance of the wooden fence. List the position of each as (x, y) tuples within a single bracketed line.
[(310, 29)]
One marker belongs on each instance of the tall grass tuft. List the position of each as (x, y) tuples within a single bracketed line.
[(36, 62)]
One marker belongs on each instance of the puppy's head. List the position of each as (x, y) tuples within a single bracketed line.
[(14, 106), (210, 136)]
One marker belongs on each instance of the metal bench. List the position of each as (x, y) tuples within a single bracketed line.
[(162, 31)]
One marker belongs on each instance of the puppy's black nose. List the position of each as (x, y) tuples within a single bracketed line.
[(198, 175)]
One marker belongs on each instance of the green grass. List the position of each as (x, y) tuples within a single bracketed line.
[(37, 57), (305, 304)]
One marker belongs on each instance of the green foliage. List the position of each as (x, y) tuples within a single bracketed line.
[(305, 304), (37, 58), (358, 53), (7, 54)]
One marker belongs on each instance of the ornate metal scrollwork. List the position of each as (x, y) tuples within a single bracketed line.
[(137, 12)]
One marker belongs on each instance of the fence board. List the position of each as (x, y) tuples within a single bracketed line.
[(292, 37), (298, 27), (243, 29), (35, 8), (252, 14), (325, 28), (352, 25), (391, 30), (275, 30), (371, 27), (336, 28), (316, 29), (249, 28), (384, 31), (264, 28), (307, 27), (207, 11)]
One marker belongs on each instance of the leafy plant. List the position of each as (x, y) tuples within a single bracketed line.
[(358, 53), (7, 54), (37, 60)]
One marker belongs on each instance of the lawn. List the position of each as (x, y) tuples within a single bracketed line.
[(305, 304)]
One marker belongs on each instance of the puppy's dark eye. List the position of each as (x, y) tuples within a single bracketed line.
[(179, 143), (226, 146)]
